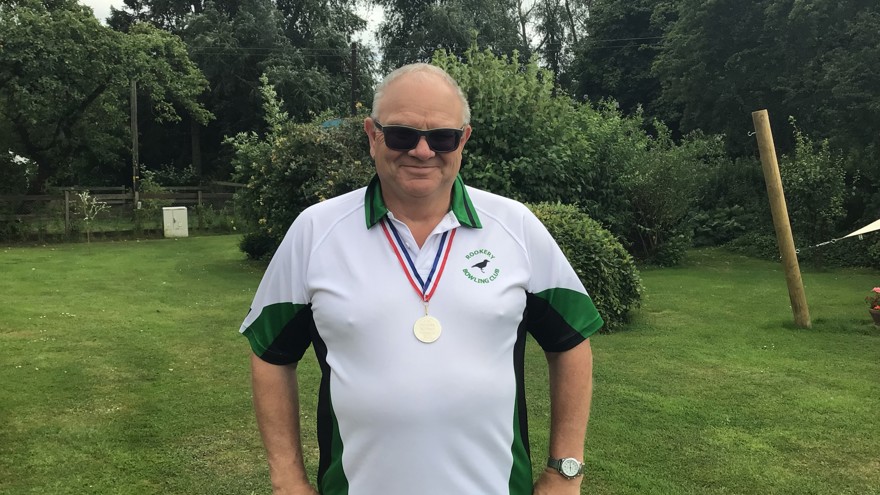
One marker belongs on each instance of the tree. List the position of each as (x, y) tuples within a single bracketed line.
[(815, 60), (168, 15), (722, 60), (303, 46), (65, 99), (560, 24), (414, 30), (614, 59)]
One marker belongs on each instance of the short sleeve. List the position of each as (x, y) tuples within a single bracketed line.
[(559, 312), (279, 324)]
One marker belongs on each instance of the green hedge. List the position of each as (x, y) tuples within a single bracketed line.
[(603, 265)]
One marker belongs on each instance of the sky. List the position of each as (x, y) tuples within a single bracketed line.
[(371, 13)]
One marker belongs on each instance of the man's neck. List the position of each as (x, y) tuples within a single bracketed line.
[(421, 217)]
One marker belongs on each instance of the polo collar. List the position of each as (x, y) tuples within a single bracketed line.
[(461, 205)]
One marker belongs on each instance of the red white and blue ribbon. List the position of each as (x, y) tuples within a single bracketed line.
[(424, 288)]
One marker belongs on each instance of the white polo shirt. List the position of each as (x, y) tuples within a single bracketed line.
[(397, 416)]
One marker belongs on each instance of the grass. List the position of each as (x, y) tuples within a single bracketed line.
[(122, 373)]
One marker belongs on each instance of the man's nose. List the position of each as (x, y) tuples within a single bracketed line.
[(422, 151)]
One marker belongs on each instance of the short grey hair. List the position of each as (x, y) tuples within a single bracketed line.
[(420, 68)]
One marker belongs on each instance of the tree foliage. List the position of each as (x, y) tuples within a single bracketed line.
[(525, 144), (560, 24), (815, 189), (815, 60), (64, 86), (535, 146), (413, 30), (614, 60), (812, 59), (304, 47)]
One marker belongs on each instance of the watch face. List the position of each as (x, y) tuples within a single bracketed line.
[(570, 467)]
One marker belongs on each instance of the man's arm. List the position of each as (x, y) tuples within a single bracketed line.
[(571, 389), (276, 402)]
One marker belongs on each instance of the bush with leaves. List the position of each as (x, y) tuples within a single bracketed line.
[(534, 145), (663, 185), (293, 167), (528, 144), (814, 181), (718, 225), (734, 203), (525, 143), (603, 265), (149, 211), (168, 175), (756, 245)]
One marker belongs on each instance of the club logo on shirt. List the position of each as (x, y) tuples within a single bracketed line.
[(480, 267)]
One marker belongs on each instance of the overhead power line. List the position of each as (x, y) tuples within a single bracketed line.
[(343, 51)]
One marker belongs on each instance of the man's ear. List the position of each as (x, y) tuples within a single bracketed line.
[(370, 129), (466, 135)]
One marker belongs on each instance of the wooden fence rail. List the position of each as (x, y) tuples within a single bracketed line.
[(117, 196)]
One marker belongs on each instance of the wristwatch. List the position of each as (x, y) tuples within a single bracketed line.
[(568, 467)]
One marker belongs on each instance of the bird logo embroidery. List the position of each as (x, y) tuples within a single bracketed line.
[(481, 265), (484, 277)]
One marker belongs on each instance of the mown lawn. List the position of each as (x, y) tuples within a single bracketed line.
[(121, 371)]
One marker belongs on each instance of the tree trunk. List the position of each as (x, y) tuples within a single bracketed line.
[(574, 36)]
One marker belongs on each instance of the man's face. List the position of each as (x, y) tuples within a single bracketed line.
[(420, 175)]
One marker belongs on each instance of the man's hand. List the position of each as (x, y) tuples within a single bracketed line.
[(552, 483)]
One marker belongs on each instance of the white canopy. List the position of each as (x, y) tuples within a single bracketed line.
[(864, 230)]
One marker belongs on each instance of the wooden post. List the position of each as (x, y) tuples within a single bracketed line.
[(196, 146), (780, 219), (134, 136)]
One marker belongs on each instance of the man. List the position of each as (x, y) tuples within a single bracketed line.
[(416, 293)]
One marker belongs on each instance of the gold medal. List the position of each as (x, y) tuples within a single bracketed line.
[(427, 329)]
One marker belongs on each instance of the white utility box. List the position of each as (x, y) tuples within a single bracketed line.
[(175, 221)]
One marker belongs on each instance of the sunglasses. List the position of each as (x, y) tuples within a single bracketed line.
[(405, 138)]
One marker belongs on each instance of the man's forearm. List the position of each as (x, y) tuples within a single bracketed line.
[(571, 390), (276, 402)]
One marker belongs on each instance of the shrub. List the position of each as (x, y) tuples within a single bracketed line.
[(756, 245), (149, 184), (534, 144), (719, 225), (874, 254), (292, 167), (815, 188), (525, 144), (603, 265), (663, 185), (259, 245), (738, 184)]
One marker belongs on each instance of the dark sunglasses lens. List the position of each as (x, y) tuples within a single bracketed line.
[(400, 138), (443, 140)]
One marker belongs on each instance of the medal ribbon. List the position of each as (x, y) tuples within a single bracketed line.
[(422, 287)]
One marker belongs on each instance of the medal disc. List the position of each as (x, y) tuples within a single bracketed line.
[(427, 329)]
